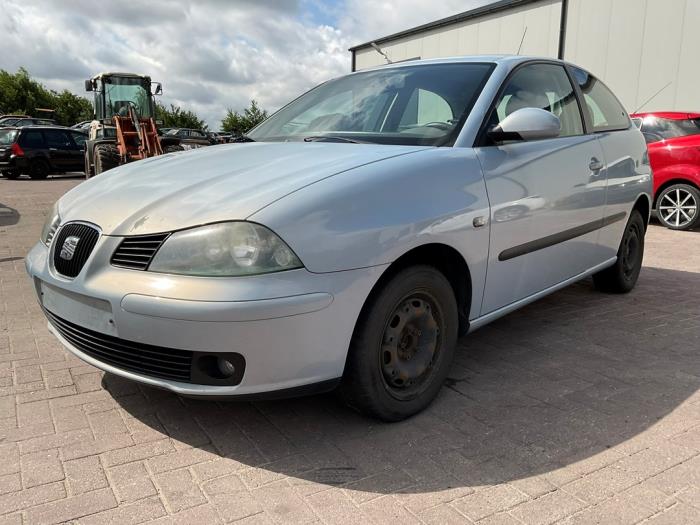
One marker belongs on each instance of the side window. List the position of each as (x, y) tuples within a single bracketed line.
[(79, 139), (32, 139), (543, 86), (604, 110), (425, 107), (57, 139)]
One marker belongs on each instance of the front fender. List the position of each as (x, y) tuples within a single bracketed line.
[(373, 214)]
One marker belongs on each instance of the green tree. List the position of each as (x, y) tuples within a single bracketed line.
[(240, 123), (19, 93), (176, 117)]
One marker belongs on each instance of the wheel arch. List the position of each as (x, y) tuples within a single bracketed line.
[(671, 182), (448, 261), (643, 206)]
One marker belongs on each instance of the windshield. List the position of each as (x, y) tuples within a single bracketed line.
[(411, 105), (8, 121), (7, 136), (120, 93)]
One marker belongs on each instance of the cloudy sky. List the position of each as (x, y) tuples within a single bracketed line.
[(209, 54)]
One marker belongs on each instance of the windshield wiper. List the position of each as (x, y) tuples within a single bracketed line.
[(331, 138), (242, 138)]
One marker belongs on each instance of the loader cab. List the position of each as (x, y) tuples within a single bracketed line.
[(114, 93)]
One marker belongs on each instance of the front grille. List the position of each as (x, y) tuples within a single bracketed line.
[(136, 253), (148, 360), (69, 259)]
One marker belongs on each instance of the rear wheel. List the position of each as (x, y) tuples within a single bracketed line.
[(623, 275), (678, 207), (106, 157), (403, 345), (39, 169)]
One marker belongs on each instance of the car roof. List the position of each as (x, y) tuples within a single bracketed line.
[(466, 59), (60, 128), (670, 115)]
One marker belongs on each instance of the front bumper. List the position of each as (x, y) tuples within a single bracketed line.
[(293, 328)]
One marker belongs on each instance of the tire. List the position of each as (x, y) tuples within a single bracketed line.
[(12, 174), (86, 166), (623, 275), (678, 207), (403, 345), (106, 157), (39, 169), (173, 148)]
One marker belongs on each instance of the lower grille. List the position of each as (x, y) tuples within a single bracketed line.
[(73, 246), (148, 360)]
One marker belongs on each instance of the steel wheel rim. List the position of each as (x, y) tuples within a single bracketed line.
[(411, 342), (678, 207)]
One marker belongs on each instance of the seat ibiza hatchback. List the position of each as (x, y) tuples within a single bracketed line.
[(356, 234)]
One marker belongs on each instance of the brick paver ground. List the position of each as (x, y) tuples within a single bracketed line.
[(581, 408)]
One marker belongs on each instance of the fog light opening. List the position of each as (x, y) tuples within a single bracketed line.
[(223, 368)]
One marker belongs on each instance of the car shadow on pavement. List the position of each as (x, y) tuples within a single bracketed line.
[(563, 380), (8, 216)]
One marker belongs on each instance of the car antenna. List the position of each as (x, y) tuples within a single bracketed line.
[(379, 50), (522, 40), (652, 97)]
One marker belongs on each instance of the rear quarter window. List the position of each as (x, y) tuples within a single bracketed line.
[(32, 139), (605, 112)]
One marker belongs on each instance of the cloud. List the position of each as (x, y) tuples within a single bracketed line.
[(211, 54)]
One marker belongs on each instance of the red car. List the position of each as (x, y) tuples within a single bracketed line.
[(673, 139)]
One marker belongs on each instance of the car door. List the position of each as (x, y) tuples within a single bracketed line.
[(78, 151), (60, 148), (547, 196)]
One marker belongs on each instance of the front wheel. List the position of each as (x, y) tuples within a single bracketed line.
[(403, 345), (622, 276), (106, 157), (678, 207)]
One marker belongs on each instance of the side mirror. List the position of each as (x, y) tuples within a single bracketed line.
[(159, 88), (88, 85), (527, 124)]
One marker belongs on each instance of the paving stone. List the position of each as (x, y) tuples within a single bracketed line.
[(131, 482), (85, 475), (180, 490)]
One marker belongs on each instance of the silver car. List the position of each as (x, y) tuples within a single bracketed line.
[(354, 237)]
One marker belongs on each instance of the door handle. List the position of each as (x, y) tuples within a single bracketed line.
[(53, 149), (595, 165)]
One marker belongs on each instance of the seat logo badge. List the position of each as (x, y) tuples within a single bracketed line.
[(68, 248)]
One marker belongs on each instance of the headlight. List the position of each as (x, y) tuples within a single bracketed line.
[(224, 250), (52, 223)]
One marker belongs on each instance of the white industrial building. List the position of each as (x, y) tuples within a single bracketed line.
[(642, 49)]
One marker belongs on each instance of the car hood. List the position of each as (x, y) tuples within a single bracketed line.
[(217, 183)]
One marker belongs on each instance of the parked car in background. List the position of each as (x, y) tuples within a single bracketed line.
[(190, 138), (83, 126), (215, 138), (39, 151), (31, 121), (8, 120), (673, 140), (225, 137), (353, 237)]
